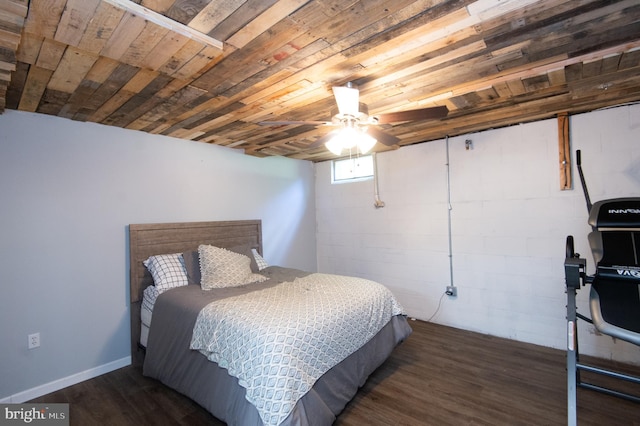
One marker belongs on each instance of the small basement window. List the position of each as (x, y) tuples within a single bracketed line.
[(352, 169)]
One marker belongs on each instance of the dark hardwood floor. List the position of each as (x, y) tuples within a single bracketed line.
[(438, 376)]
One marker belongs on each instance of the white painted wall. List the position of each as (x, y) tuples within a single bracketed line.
[(68, 190), (509, 225)]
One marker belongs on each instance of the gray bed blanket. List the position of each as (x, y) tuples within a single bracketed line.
[(170, 360)]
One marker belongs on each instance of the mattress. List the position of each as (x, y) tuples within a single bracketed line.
[(170, 360)]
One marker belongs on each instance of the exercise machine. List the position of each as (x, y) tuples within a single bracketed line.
[(614, 298)]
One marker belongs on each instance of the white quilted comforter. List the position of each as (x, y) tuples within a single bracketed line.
[(278, 341)]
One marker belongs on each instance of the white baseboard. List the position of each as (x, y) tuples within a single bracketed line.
[(56, 385)]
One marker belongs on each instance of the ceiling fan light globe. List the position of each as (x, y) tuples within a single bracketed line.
[(334, 145), (350, 138), (345, 138), (365, 142)]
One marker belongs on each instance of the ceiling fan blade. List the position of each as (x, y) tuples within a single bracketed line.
[(348, 99), (287, 123), (382, 137), (413, 115), (323, 139)]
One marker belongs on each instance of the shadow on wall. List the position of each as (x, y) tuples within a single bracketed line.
[(282, 242)]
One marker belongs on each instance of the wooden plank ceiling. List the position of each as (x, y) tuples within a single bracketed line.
[(492, 63)]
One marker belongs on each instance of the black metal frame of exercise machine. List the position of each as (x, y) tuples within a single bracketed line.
[(614, 298)]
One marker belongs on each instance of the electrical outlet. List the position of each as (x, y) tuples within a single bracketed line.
[(452, 291), (34, 340)]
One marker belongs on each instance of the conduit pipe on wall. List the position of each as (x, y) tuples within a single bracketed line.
[(449, 208)]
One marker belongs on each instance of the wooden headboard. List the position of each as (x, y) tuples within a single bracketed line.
[(163, 238)]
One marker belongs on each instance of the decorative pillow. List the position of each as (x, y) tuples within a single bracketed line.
[(259, 260), (246, 250), (167, 270), (224, 268), (192, 265)]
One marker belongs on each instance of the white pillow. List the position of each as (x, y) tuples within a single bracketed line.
[(168, 271), (259, 260), (224, 268)]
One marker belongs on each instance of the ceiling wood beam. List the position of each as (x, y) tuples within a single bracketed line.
[(165, 22)]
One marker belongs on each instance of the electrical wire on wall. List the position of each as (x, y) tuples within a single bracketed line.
[(437, 309), (378, 203)]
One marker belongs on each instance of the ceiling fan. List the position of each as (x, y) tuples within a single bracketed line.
[(356, 127)]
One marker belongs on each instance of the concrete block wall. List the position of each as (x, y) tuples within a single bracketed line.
[(509, 222)]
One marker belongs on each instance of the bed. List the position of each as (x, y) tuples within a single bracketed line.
[(182, 343)]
